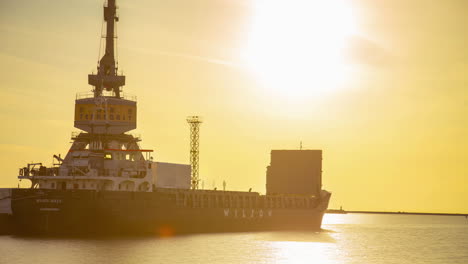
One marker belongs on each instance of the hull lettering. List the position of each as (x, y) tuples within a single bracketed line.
[(246, 214)]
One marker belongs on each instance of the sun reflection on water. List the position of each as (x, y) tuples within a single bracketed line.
[(299, 247), (303, 252)]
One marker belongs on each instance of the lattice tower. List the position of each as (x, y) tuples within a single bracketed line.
[(194, 122)]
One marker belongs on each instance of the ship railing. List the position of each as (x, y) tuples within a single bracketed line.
[(137, 137), (218, 199), (37, 169), (126, 96)]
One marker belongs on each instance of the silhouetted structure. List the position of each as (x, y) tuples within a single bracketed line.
[(107, 77), (194, 122), (295, 172)]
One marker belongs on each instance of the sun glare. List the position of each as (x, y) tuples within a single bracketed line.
[(291, 252), (295, 47)]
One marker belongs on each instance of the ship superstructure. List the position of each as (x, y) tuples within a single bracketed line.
[(103, 156), (107, 184)]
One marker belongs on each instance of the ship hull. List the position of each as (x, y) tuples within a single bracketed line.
[(88, 213)]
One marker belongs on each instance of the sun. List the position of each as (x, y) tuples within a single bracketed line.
[(295, 48)]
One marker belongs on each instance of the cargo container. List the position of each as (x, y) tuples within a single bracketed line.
[(295, 172), (171, 175)]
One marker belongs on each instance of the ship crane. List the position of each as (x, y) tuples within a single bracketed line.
[(107, 77)]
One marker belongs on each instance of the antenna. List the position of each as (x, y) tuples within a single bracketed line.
[(194, 122)]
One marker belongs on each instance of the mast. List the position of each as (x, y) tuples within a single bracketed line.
[(109, 113), (107, 77), (194, 122)]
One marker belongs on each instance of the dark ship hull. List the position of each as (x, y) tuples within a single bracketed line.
[(161, 212)]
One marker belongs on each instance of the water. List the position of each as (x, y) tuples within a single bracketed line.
[(351, 238)]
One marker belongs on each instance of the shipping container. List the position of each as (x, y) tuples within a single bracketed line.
[(295, 172), (171, 175)]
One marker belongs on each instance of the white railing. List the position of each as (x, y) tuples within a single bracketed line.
[(85, 95), (75, 134)]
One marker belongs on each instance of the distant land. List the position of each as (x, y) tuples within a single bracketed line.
[(340, 211)]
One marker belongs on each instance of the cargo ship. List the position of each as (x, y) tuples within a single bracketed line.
[(107, 184)]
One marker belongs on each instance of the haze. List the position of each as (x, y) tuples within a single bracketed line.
[(380, 86)]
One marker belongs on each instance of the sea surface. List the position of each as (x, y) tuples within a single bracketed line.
[(350, 238)]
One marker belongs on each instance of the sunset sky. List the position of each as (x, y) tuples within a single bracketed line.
[(380, 86)]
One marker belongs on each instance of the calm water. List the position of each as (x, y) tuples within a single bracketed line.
[(352, 238)]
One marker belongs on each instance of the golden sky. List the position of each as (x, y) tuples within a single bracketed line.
[(380, 86)]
